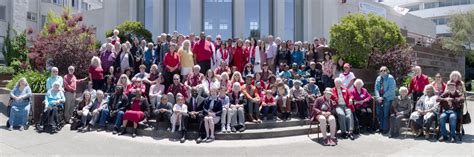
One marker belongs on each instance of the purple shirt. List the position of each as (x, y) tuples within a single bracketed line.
[(107, 58), (272, 50)]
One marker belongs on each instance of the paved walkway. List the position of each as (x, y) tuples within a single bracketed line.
[(71, 143)]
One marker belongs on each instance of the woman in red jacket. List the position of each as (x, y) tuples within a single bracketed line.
[(240, 57), (344, 109)]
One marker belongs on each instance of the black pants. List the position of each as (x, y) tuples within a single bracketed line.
[(186, 119), (163, 116), (205, 65), (416, 96), (302, 108), (50, 117), (365, 117), (98, 84)]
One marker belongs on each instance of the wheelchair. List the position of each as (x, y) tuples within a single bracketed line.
[(60, 121), (30, 115)]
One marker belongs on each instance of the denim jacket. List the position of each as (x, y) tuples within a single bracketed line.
[(389, 87)]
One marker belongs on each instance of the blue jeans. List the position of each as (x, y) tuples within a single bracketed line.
[(118, 118), (383, 114), (453, 116), (266, 109), (104, 114)]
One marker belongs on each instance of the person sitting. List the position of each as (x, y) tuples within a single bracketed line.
[(209, 82), (283, 101), (265, 72), (157, 90), (298, 97), (361, 98), (180, 114), (323, 110), (248, 70), (401, 108), (83, 112), (313, 93), (222, 68), (225, 116), (135, 88), (212, 111), (54, 100), (163, 111), (344, 109), (135, 113), (285, 73), (175, 88), (117, 105), (451, 104), (195, 78), (20, 105), (251, 100), (195, 112), (109, 86), (425, 112), (96, 108), (237, 108), (269, 105), (91, 90)]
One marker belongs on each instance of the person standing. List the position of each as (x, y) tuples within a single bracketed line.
[(271, 53), (385, 87), (417, 84), (96, 73), (239, 57), (203, 53), (70, 84), (186, 57)]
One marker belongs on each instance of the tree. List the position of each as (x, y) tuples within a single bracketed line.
[(399, 60), (358, 36), (461, 26), (15, 50), (64, 41), (130, 29)]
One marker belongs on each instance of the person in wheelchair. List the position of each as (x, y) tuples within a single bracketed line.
[(20, 104), (82, 111), (361, 100), (54, 101), (425, 112), (450, 104)]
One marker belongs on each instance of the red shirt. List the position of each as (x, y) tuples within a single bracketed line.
[(175, 89), (70, 83), (240, 58), (130, 87), (194, 80), (219, 70), (267, 100), (202, 50), (345, 95), (172, 60), (418, 83), (97, 72)]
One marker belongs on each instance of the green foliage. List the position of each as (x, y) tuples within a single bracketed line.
[(461, 26), (6, 70), (35, 79), (15, 49), (470, 58), (358, 36), (130, 29)]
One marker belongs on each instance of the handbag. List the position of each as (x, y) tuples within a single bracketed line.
[(466, 118)]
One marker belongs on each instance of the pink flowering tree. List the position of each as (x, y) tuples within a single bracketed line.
[(64, 41), (399, 60)]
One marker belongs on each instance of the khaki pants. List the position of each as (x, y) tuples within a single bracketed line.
[(69, 105), (323, 121)]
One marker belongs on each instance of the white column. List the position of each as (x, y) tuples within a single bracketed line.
[(239, 19), (133, 10), (278, 19), (158, 19), (196, 16)]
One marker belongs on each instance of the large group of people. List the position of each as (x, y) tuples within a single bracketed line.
[(187, 79)]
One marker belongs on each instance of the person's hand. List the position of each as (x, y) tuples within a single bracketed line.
[(226, 107), (379, 99), (137, 60), (399, 113), (233, 106), (16, 98)]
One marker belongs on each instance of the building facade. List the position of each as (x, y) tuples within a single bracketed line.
[(438, 11), (287, 19)]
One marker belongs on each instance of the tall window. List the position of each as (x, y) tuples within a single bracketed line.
[(179, 16), (218, 18), (289, 20), (256, 18), (3, 12), (149, 14)]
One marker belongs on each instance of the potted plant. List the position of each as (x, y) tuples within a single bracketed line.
[(6, 73)]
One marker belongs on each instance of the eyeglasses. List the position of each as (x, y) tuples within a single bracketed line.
[(176, 79), (383, 70)]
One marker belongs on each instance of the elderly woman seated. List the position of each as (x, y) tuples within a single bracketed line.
[(83, 112), (323, 111), (363, 109), (451, 103), (135, 113), (401, 108), (20, 96), (54, 100), (425, 112)]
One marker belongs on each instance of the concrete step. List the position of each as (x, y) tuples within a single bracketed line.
[(251, 125), (247, 134)]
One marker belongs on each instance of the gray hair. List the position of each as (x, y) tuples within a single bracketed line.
[(426, 88), (359, 81), (455, 73)]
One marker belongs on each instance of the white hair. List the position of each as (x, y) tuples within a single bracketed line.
[(338, 80), (455, 73), (95, 61), (426, 88), (359, 81), (402, 89)]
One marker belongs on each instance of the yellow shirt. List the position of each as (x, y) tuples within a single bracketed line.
[(186, 58)]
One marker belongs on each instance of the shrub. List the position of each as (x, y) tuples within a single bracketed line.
[(36, 80), (64, 41), (130, 29), (398, 60), (15, 49), (6, 70)]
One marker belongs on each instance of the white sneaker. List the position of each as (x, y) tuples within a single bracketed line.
[(172, 130), (10, 128), (22, 128), (228, 129), (224, 130)]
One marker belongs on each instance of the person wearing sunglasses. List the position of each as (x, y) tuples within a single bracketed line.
[(385, 87)]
